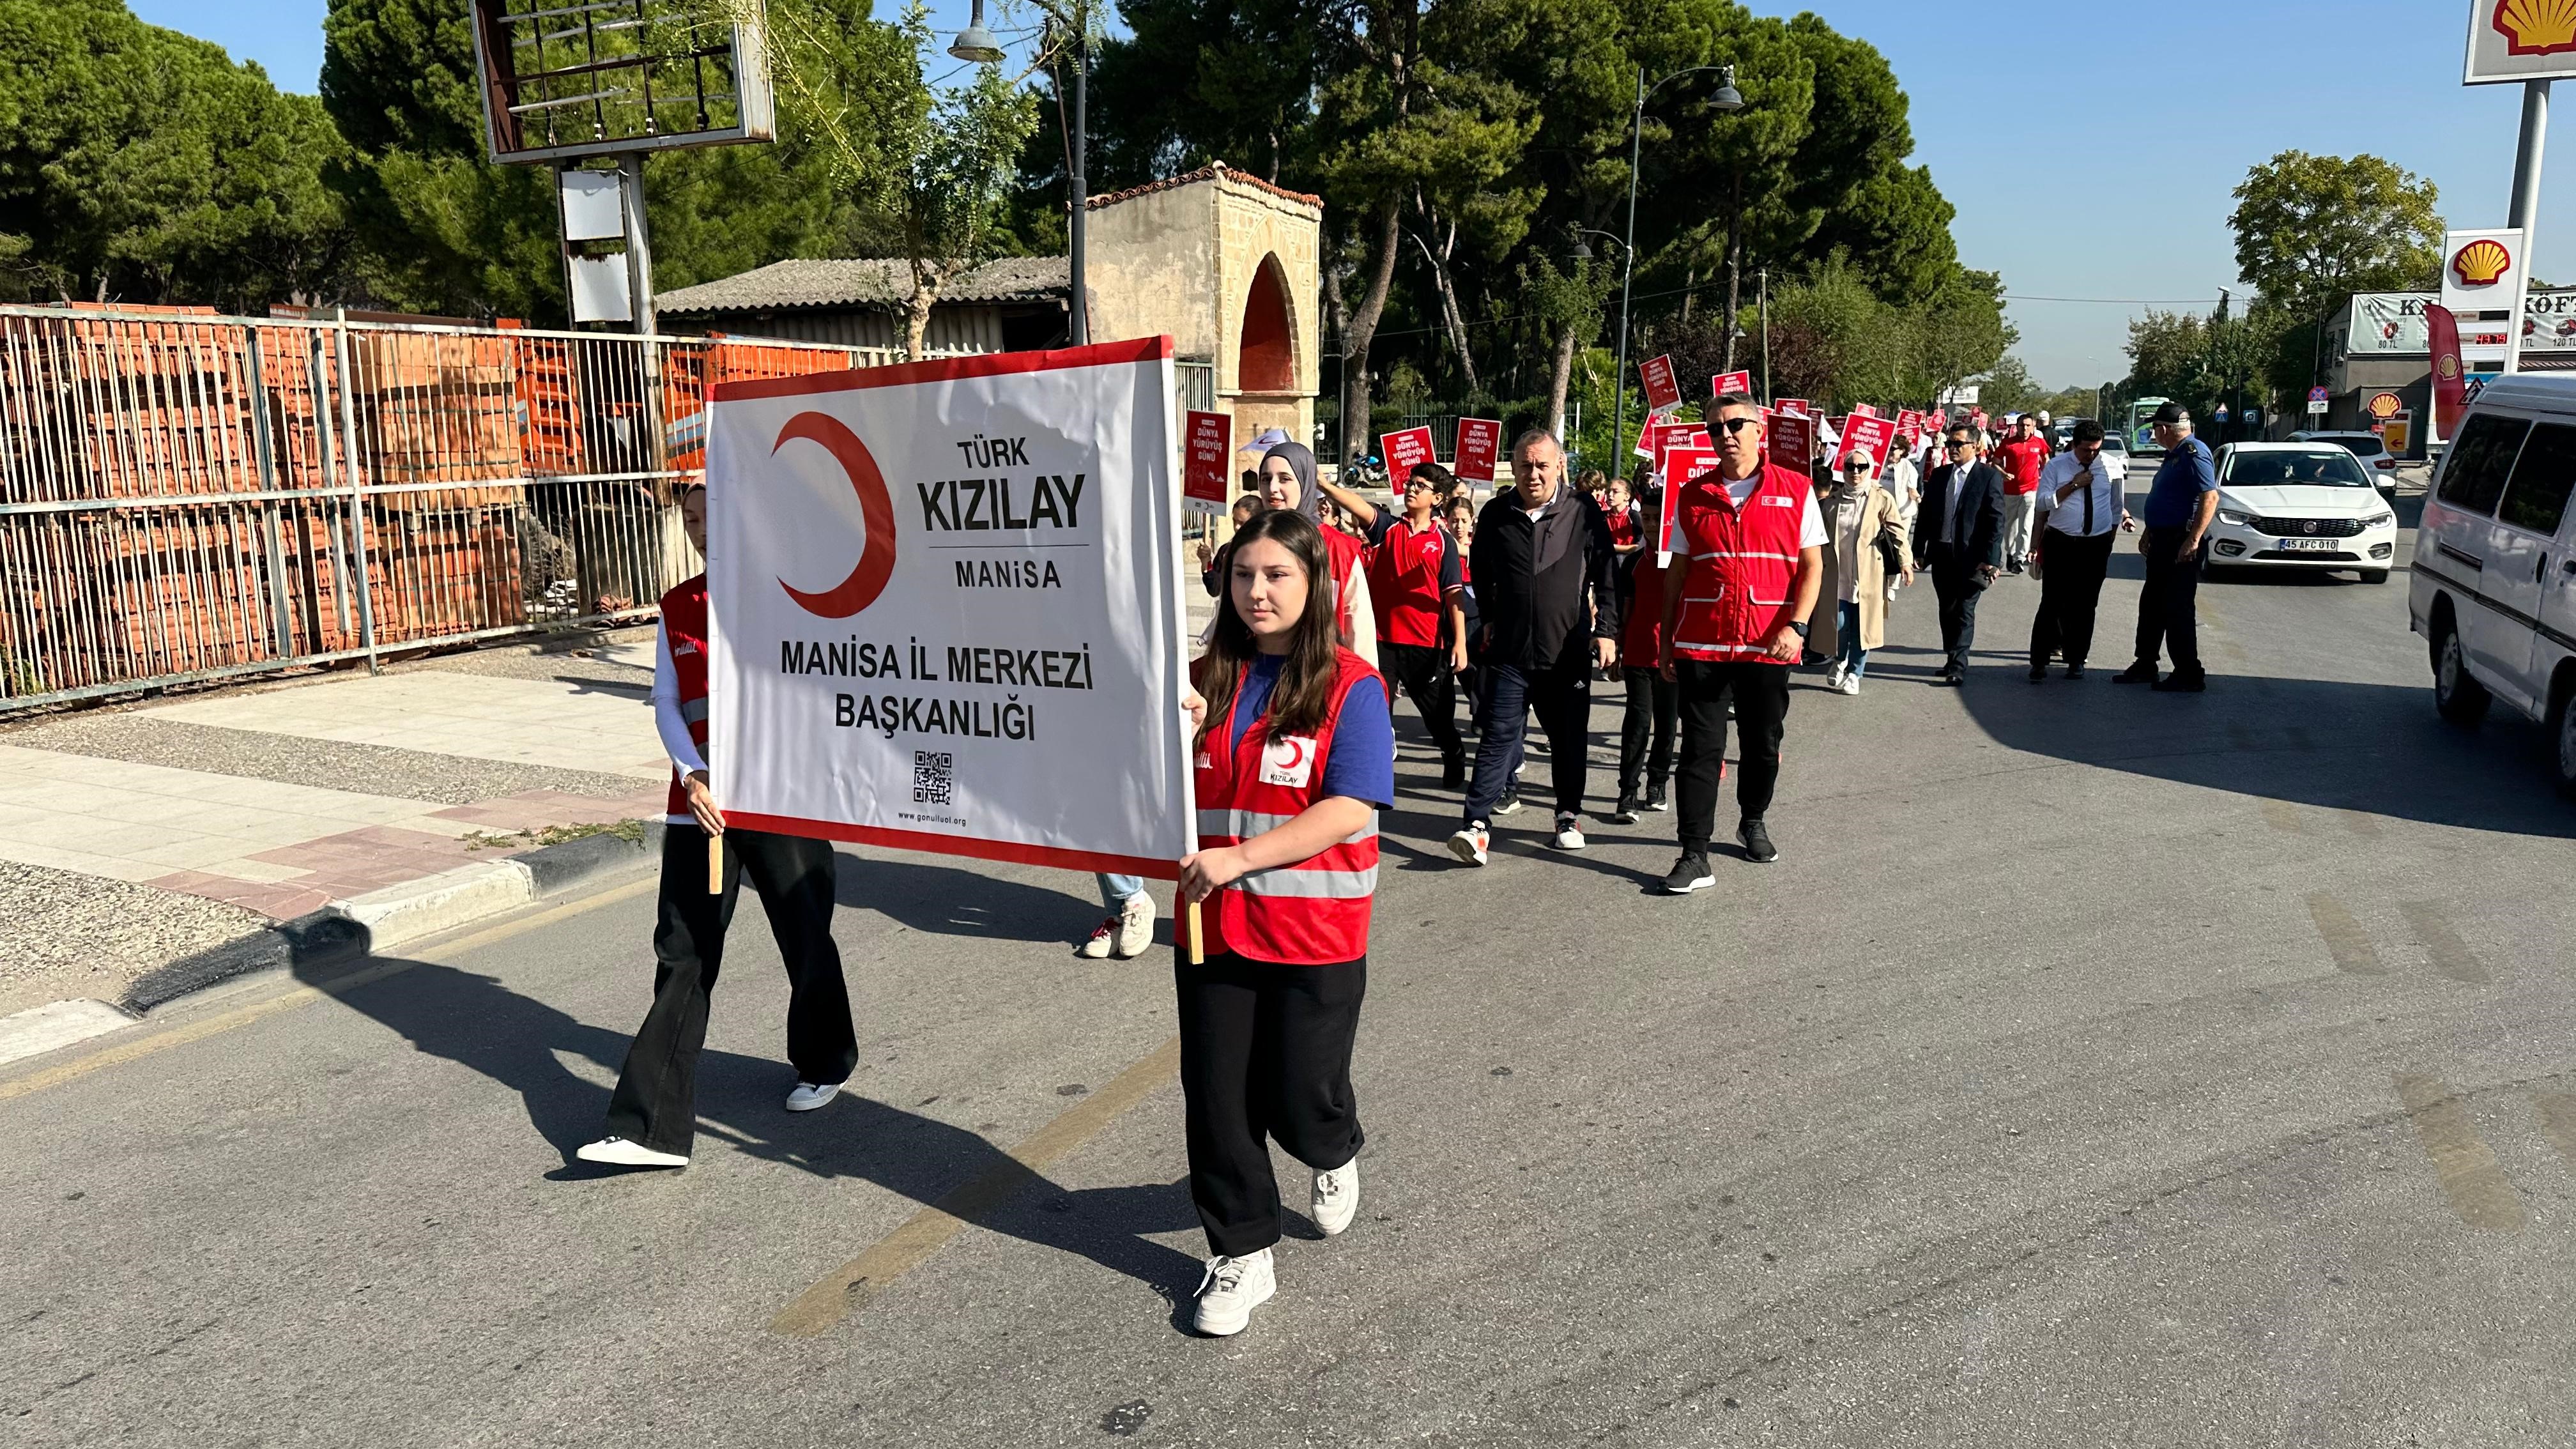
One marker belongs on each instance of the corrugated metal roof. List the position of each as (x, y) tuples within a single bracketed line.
[(867, 282)]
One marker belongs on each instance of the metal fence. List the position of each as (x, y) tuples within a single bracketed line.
[(185, 496)]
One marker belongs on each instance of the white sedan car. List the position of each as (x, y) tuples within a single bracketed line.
[(2300, 506)]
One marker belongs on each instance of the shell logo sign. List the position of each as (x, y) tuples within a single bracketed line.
[(2535, 27), (2482, 262), (2384, 406)]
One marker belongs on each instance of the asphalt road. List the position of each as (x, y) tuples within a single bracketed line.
[(2096, 1068)]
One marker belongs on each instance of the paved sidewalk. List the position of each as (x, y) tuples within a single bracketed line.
[(135, 837)]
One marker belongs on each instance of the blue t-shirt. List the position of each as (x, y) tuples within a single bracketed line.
[(1361, 762), (2185, 476)]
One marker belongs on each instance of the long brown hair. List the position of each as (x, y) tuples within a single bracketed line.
[(1303, 694)]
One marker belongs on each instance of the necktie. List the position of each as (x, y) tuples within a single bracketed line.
[(2086, 474)]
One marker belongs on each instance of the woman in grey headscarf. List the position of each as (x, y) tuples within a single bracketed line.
[(1288, 481)]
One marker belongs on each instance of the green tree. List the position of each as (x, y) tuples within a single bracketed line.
[(448, 231), (140, 164), (2312, 230)]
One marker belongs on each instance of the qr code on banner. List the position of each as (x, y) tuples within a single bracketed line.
[(931, 780)]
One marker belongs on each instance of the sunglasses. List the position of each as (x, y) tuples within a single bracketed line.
[(1962, 447), (1737, 425)]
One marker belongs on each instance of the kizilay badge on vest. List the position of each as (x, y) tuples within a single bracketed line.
[(1288, 760)]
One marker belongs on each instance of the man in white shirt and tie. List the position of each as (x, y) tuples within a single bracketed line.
[(2081, 507)]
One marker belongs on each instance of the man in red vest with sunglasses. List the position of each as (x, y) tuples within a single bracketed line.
[(1748, 560)]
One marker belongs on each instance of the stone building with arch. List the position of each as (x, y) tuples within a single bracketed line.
[(1227, 264)]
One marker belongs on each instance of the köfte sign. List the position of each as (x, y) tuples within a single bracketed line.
[(933, 586)]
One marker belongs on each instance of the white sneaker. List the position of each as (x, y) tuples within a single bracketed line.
[(1135, 927), (618, 1152), (1337, 1197), (810, 1095), (1469, 844), (1233, 1288), (1569, 831), (1834, 675), (1103, 940), (1850, 684)]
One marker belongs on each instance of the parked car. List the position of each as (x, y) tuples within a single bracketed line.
[(2369, 447), (2494, 586), (2300, 506)]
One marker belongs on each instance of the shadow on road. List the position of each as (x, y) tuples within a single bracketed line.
[(477, 1022), (949, 901), (2375, 748)]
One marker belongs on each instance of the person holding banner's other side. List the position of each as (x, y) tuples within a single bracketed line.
[(1295, 755), (653, 1114)]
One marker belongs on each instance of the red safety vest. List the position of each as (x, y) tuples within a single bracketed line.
[(1343, 552), (684, 624), (1742, 563), (1404, 584), (1311, 914), (1641, 635)]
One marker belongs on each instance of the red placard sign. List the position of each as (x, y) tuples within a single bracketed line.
[(1739, 383), (1793, 440), (1480, 446), (1795, 406), (1404, 452), (1662, 391), (1205, 446), (1662, 438), (1681, 465), (1867, 435), (1909, 427), (1863, 410)]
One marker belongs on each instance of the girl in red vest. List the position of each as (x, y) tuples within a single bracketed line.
[(653, 1114), (1296, 754)]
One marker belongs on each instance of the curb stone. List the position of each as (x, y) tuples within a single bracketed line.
[(357, 927)]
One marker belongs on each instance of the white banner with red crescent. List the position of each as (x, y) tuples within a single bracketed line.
[(946, 608)]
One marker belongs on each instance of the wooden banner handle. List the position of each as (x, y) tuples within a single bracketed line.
[(715, 865), (1198, 941)]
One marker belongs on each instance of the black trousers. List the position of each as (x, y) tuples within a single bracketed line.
[(1654, 714), (2168, 607), (1562, 700), (2070, 591), (657, 1090), (1761, 694), (1956, 582), (1423, 672), (1265, 1055)]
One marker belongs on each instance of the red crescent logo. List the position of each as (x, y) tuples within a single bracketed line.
[(876, 510), (1296, 749)]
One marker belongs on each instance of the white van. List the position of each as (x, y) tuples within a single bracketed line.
[(2494, 577)]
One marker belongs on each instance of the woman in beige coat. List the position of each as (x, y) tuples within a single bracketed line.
[(1851, 608)]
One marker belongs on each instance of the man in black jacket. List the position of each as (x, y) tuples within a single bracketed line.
[(1958, 539), (1547, 597)]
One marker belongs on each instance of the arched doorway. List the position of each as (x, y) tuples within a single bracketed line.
[(1266, 362)]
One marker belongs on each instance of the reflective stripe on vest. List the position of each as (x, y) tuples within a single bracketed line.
[(1313, 913)]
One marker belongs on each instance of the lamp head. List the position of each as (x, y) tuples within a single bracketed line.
[(975, 43), (1728, 98)]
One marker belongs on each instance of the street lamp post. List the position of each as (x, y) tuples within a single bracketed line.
[(1726, 99), (977, 44)]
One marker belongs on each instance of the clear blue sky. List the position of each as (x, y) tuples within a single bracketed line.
[(2084, 164)]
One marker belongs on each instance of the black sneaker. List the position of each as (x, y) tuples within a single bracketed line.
[(2142, 672), (1626, 813), (2075, 671), (1952, 677), (1453, 775), (2179, 682), (2039, 674), (1690, 873), (1655, 798), (1511, 800), (1756, 841)]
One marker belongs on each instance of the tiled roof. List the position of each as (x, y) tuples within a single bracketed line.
[(1216, 171), (867, 282)]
